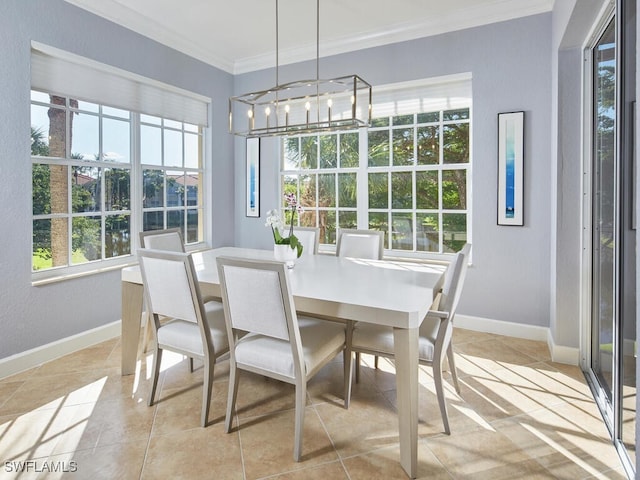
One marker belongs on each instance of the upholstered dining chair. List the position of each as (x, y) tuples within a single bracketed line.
[(170, 240), (367, 244), (310, 239), (193, 329), (435, 332), (276, 342)]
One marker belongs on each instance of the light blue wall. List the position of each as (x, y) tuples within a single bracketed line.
[(511, 67), (34, 316)]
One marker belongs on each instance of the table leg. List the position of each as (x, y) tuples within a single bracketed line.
[(406, 354), (132, 294)]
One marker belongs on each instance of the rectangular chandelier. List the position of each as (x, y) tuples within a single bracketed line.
[(302, 107)]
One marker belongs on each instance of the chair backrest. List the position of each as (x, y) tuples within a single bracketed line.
[(454, 281), (309, 237), (169, 240), (171, 287), (368, 244), (257, 299)]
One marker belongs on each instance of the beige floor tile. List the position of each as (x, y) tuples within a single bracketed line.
[(259, 395), (34, 434), (200, 453), (533, 348), (560, 441), (54, 391), (267, 443), (384, 464), (519, 415), (19, 377), (461, 335), (7, 389), (491, 355), (461, 416), (90, 358), (180, 409), (328, 384), (369, 424), (114, 462), (108, 422), (482, 453), (327, 471)]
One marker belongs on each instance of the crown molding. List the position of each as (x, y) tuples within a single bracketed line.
[(124, 16), (482, 14), (496, 11)]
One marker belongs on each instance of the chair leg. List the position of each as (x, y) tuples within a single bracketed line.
[(191, 364), (348, 375), (375, 362), (452, 367), (147, 336), (437, 377), (301, 396), (207, 386), (231, 398), (157, 359), (357, 367)]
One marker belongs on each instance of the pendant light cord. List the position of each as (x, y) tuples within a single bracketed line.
[(277, 79), (317, 39)]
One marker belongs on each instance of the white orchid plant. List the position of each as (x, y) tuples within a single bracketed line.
[(276, 222)]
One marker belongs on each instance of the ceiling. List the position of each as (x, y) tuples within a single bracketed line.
[(240, 35)]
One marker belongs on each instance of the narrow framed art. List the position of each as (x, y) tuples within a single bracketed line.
[(510, 168), (253, 177)]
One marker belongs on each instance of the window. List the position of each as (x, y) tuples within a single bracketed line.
[(83, 173), (101, 173), (407, 175), (171, 157), (322, 171), (417, 180)]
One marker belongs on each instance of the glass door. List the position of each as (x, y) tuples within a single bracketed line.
[(604, 213), (611, 368)]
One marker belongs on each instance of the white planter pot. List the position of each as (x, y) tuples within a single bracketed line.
[(284, 253)]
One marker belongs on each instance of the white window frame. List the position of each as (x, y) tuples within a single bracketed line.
[(389, 108), (47, 63)]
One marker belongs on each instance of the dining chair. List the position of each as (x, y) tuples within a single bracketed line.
[(193, 329), (309, 237), (434, 342), (277, 342), (367, 244), (170, 240)]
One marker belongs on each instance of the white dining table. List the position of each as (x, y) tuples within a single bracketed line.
[(384, 292)]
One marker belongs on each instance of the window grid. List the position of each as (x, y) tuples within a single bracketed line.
[(440, 227), (91, 213), (306, 162), (173, 179)]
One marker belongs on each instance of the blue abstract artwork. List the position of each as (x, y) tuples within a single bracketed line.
[(510, 168), (253, 177)]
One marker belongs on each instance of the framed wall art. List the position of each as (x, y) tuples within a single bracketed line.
[(510, 168), (253, 177)]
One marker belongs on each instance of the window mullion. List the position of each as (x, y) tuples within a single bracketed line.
[(135, 182), (362, 180)]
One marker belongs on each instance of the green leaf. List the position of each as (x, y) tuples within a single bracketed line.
[(295, 244)]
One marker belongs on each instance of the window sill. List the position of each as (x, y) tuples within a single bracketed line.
[(39, 279), (62, 274)]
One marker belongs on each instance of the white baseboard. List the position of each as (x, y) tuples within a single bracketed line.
[(559, 353), (37, 356), (32, 358)]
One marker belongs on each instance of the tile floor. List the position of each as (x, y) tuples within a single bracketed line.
[(519, 415)]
